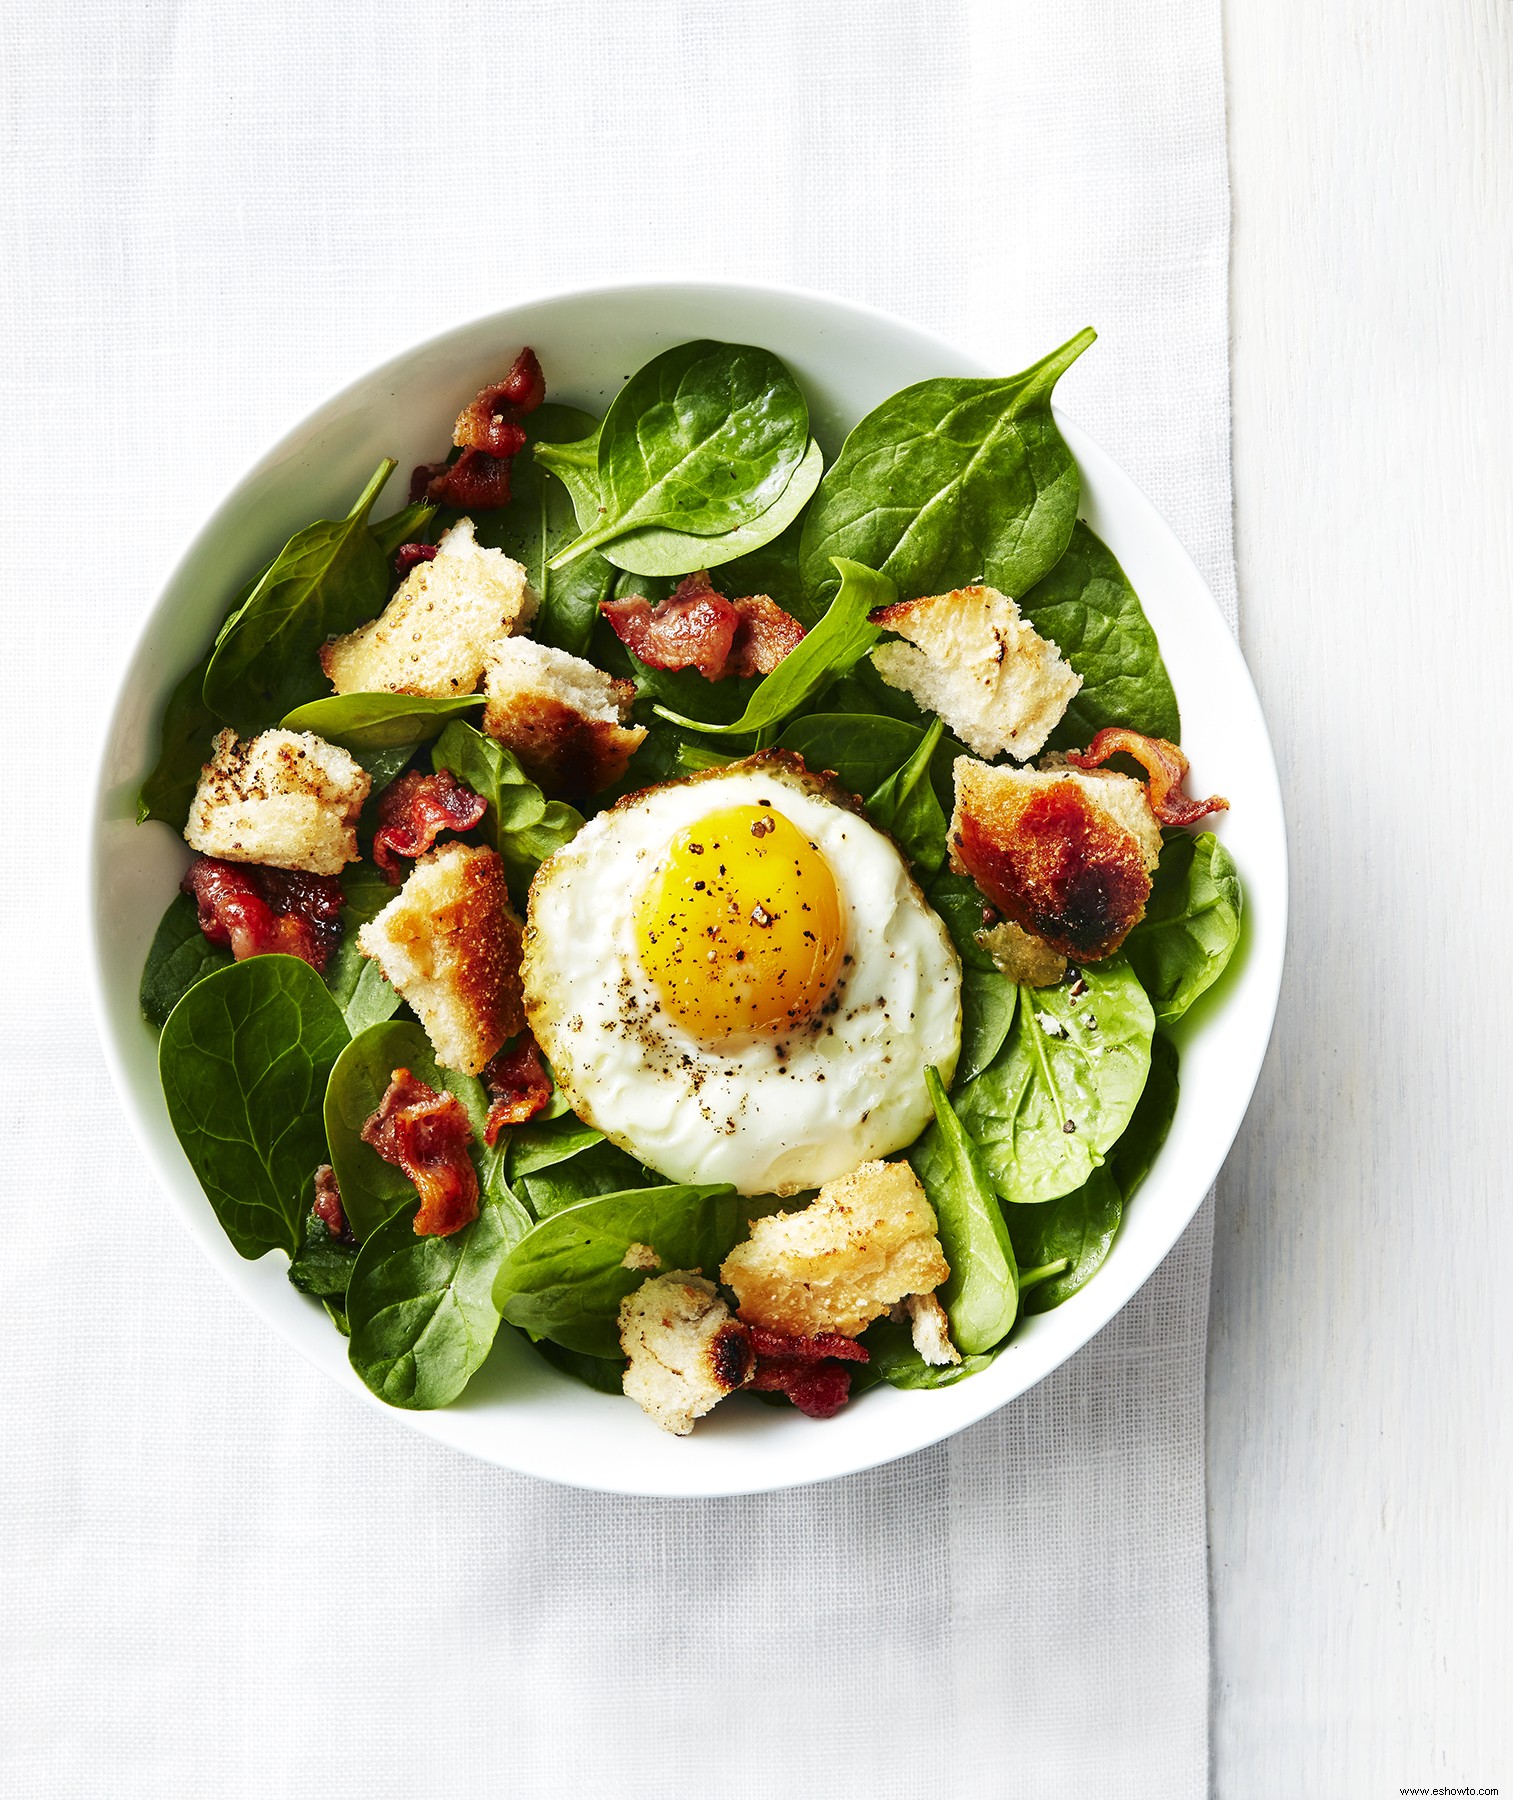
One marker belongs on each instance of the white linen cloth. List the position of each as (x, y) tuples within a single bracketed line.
[(219, 1575)]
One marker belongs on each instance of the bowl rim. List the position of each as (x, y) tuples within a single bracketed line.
[(988, 1400)]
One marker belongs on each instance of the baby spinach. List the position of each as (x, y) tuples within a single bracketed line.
[(1131, 1158), (1088, 609), (891, 1348), (841, 638), (1079, 1227), (407, 526), (596, 1168), (949, 482), (861, 751), (421, 1309), (982, 1294), (605, 1374), (180, 956), (704, 438), (566, 1277), (773, 569), (365, 722), (322, 1265), (521, 823), (1062, 1089), (244, 1060), (357, 984), (183, 750), (1191, 925), (330, 577), (662, 550), (907, 805), (988, 999), (541, 1145)]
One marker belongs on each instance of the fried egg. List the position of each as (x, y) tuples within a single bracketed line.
[(736, 979)]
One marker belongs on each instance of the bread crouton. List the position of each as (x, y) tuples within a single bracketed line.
[(434, 635), (930, 1330), (1020, 955), (1067, 854), (685, 1351), (450, 942), (564, 719), (286, 798), (868, 1240), (971, 658)]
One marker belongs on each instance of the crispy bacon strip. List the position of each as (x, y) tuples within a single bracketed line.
[(811, 1371), (414, 811), (407, 555), (489, 432), (427, 1135), (1164, 765), (327, 1205), (519, 1087), (262, 911), (699, 628)]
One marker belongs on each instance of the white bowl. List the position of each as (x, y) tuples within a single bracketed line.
[(519, 1412)]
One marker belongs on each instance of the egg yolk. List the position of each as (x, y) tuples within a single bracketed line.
[(740, 927)]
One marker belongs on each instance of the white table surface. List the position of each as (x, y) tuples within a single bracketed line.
[(1359, 1372)]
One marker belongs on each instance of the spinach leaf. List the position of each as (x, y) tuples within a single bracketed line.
[(421, 1309), (180, 956), (773, 570), (566, 1277), (705, 438), (363, 722), (605, 1374), (407, 526), (330, 577), (244, 1060), (539, 1146), (988, 999), (183, 750), (1062, 1089), (1191, 924), (1131, 1157), (357, 984), (1087, 607), (982, 1294), (859, 749), (949, 482), (841, 638), (521, 823), (321, 1265), (899, 1364), (601, 1168), (662, 550), (1079, 1227), (907, 805)]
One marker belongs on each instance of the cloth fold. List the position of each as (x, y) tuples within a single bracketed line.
[(218, 1574)]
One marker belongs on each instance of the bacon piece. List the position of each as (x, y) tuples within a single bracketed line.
[(414, 811), (519, 1087), (1164, 765), (699, 628), (407, 555), (328, 1208), (427, 1135), (809, 1370), (263, 911), (476, 482), (492, 422)]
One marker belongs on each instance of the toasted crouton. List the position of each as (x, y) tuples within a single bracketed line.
[(434, 635), (931, 1330), (865, 1242), (450, 942), (685, 1351), (563, 718), (971, 658), (287, 798), (1067, 854), (1020, 955)]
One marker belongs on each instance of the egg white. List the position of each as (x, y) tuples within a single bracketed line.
[(770, 1115)]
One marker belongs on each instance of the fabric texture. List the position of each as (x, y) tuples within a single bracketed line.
[(218, 1574)]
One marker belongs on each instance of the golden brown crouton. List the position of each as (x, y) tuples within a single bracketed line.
[(864, 1243), (434, 636), (450, 942), (971, 658), (564, 719), (287, 798), (1020, 955), (1066, 854), (931, 1330), (685, 1351)]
